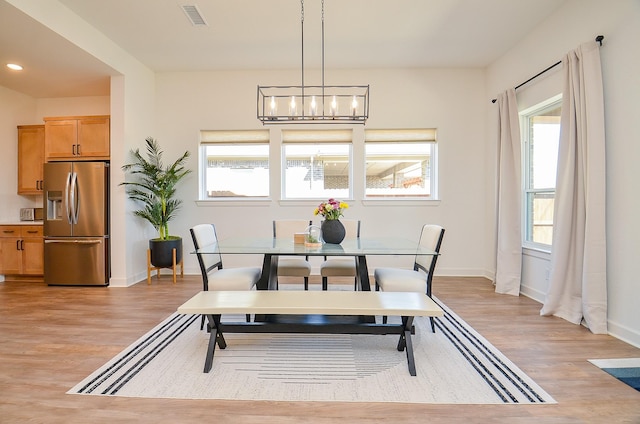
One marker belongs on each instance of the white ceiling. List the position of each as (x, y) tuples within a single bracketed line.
[(259, 34)]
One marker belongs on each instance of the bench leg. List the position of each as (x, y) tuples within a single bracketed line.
[(406, 344), (215, 337)]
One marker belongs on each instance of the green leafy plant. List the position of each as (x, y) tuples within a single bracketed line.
[(154, 186)]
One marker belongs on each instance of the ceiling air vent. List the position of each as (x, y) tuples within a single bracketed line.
[(194, 15)]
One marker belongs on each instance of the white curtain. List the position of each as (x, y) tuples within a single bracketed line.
[(509, 242), (577, 281)]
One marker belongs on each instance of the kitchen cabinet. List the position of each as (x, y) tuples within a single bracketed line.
[(30, 158), (21, 250), (77, 138)]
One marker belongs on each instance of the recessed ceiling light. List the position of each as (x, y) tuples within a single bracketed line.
[(14, 66)]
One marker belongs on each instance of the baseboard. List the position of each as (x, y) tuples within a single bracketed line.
[(532, 293), (624, 333)]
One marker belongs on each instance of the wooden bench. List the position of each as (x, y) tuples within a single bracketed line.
[(268, 304)]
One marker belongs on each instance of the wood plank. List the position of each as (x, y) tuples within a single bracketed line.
[(53, 337), (315, 302)]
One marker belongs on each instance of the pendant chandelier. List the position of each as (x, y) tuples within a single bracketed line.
[(330, 104)]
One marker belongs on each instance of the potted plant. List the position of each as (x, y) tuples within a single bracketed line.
[(154, 186)]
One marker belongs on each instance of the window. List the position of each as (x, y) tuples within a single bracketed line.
[(541, 135), (316, 164), (234, 164), (400, 163)]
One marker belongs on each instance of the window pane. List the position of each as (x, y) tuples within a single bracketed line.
[(541, 137), (236, 170), (545, 134), (399, 169), (317, 170), (540, 217)]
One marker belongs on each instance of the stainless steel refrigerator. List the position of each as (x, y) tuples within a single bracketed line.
[(76, 223)]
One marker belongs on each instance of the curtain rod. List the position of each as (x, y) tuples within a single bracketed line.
[(599, 39)]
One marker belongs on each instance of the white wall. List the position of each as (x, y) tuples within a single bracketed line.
[(15, 109), (447, 99), (579, 21)]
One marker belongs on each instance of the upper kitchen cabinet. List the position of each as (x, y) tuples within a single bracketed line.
[(77, 138), (30, 158)]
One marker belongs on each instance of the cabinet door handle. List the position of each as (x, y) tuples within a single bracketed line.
[(8, 231), (78, 150), (21, 244)]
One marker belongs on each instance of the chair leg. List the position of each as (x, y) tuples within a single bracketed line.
[(248, 317), (433, 325), (306, 283), (384, 319), (325, 283)]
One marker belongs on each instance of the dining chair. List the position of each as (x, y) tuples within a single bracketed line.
[(342, 266), (420, 278), (214, 275), (292, 266)]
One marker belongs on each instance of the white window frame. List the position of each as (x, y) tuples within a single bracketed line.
[(229, 138), (316, 138), (417, 135), (527, 190)]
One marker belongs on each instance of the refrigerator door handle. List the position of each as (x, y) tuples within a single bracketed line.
[(73, 198), (74, 241), (66, 198)]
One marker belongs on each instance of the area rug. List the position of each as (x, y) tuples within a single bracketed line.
[(626, 370), (454, 365)]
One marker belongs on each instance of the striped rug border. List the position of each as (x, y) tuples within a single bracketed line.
[(474, 347)]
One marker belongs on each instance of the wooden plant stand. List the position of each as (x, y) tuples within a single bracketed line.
[(173, 267)]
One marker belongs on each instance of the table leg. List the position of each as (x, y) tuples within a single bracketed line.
[(362, 274), (215, 337), (269, 277), (273, 272), (406, 344)]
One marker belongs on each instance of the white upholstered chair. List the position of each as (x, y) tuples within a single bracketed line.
[(420, 278), (341, 266), (214, 276), (292, 266)]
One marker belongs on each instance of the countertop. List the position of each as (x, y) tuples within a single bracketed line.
[(21, 222)]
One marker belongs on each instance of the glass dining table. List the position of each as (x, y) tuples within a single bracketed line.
[(273, 248)]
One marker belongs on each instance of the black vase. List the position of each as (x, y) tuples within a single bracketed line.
[(332, 231), (162, 252)]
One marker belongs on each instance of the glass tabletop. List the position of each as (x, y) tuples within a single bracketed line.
[(286, 246)]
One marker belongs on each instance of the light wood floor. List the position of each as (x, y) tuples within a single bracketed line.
[(53, 337)]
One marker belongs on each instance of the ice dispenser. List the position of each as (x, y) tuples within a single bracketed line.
[(54, 205)]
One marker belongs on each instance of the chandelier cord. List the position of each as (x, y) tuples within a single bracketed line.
[(323, 98), (302, 41)]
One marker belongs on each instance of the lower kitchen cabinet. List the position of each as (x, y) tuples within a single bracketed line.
[(21, 250)]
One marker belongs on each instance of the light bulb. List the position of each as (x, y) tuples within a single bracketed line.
[(273, 107), (313, 108), (354, 106), (292, 106), (334, 106)]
